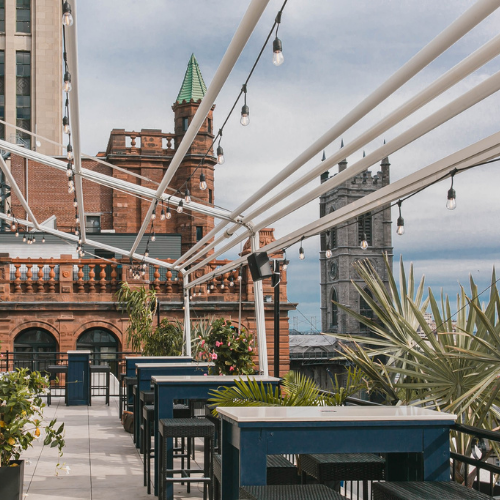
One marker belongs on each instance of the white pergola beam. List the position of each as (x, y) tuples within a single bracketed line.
[(468, 20), (479, 152), (240, 38), (450, 78)]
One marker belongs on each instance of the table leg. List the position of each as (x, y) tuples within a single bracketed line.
[(437, 454)]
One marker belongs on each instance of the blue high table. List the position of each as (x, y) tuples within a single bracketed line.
[(169, 388), (144, 372), (249, 434)]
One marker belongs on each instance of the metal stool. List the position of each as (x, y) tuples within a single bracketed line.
[(54, 370), (425, 490), (147, 428), (343, 467), (289, 492), (188, 428), (279, 471)]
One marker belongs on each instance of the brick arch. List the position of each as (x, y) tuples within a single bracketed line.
[(36, 324), (100, 324)]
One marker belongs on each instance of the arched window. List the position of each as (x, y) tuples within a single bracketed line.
[(35, 348), (103, 344), (334, 311), (365, 310)]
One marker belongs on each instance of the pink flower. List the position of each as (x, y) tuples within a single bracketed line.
[(250, 349), (228, 344), (214, 355), (217, 343), (231, 368), (202, 342), (205, 375)]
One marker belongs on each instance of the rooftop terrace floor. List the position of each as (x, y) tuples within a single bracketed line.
[(103, 461)]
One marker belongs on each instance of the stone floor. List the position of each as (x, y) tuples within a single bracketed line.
[(102, 459)]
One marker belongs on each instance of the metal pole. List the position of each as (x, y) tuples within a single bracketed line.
[(187, 318), (260, 317), (277, 319)]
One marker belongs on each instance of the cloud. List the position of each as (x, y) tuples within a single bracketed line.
[(132, 61)]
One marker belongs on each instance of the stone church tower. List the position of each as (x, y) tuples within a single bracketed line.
[(344, 242)]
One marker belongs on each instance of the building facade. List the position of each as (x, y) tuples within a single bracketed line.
[(51, 298), (31, 72), (337, 272)]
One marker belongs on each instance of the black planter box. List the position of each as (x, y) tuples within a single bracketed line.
[(11, 481)]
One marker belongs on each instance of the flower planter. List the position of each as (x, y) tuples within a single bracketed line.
[(11, 481)]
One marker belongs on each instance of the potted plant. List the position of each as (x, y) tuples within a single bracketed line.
[(21, 422), (229, 349)]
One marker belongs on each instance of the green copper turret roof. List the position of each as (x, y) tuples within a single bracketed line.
[(193, 86)]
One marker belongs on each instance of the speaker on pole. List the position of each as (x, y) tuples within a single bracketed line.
[(259, 266)]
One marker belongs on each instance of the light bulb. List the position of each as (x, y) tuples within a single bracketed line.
[(220, 154), (17, 234), (451, 202), (221, 286), (75, 202), (43, 239), (77, 220), (71, 188), (162, 215), (70, 182), (153, 216), (285, 265), (67, 18), (278, 58), (34, 239), (208, 290), (146, 253), (203, 182), (212, 286), (364, 243), (69, 152), (67, 82), (187, 196), (239, 278), (328, 253), (180, 207), (153, 237), (231, 281), (245, 118), (24, 238), (66, 128), (13, 226), (169, 213), (79, 241), (302, 255), (77, 232), (401, 226), (69, 170)]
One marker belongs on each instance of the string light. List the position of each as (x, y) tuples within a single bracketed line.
[(67, 18), (153, 214), (43, 239), (278, 58), (75, 202), (451, 202), (187, 196), (162, 215), (180, 207), (169, 213), (231, 281), (245, 110), (364, 242), (203, 182), (66, 127), (328, 252), (153, 237), (24, 238), (401, 222), (285, 261), (67, 82), (77, 219), (302, 255), (69, 152), (17, 233)]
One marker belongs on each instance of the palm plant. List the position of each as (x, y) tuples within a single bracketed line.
[(452, 368), (297, 390)]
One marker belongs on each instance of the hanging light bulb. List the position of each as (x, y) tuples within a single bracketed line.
[(153, 237), (78, 248), (364, 242), (80, 240), (77, 220), (13, 226), (67, 18), (231, 281), (71, 188), (220, 154), (76, 231), (278, 58), (146, 253), (302, 255), (24, 238), (75, 202), (162, 215), (180, 207), (69, 169), (34, 239), (187, 196), (69, 152), (43, 239), (66, 128), (17, 234), (169, 213), (451, 202), (328, 253), (401, 222), (245, 110), (67, 82), (203, 182), (212, 286)]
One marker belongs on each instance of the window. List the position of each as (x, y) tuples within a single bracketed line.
[(365, 227), (210, 196), (185, 124), (209, 126), (23, 96), (103, 344), (365, 310), (199, 233), (334, 311), (2, 16), (23, 16), (93, 223), (333, 238), (35, 349)]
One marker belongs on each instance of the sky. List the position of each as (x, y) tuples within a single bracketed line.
[(132, 59)]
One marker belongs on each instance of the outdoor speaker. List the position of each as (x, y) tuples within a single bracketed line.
[(259, 266)]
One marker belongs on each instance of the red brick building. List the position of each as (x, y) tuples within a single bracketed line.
[(51, 299)]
